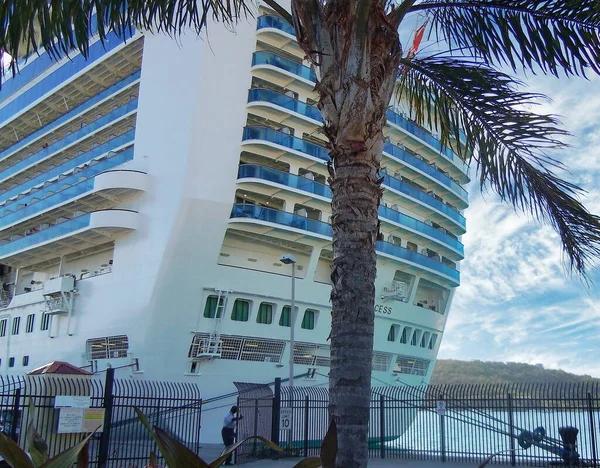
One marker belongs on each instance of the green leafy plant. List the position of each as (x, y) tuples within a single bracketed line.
[(178, 455), (16, 457)]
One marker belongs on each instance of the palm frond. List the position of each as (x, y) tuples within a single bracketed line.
[(554, 35), (59, 26), (508, 143)]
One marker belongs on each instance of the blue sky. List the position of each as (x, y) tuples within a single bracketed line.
[(516, 302)]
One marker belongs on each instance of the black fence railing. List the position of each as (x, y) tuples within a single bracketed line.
[(462, 423), (176, 407)]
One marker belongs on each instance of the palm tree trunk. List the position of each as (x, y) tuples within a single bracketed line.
[(356, 195)]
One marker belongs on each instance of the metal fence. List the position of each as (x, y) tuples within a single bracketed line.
[(175, 407), (455, 422)]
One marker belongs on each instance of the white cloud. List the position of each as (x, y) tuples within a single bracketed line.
[(515, 302)]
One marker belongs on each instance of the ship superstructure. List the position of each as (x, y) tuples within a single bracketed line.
[(148, 192)]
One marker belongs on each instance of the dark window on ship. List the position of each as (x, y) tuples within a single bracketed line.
[(25, 360), (11, 362), (3, 327), (210, 309), (45, 322), (265, 313), (432, 341), (413, 340), (285, 320), (16, 325), (392, 334), (424, 340), (405, 334), (109, 347), (241, 310), (308, 321), (30, 321)]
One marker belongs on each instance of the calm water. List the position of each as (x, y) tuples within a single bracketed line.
[(480, 433)]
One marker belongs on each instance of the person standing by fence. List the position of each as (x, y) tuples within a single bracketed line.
[(228, 431)]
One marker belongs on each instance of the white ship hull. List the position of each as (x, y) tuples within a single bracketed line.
[(151, 242)]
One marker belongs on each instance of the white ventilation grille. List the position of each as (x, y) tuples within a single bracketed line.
[(242, 348), (381, 361), (108, 347), (411, 365), (312, 355)]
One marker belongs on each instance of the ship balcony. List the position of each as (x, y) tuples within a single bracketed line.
[(282, 71), (423, 140), (275, 144), (293, 227), (84, 115), (279, 33), (94, 134), (68, 236), (70, 195), (280, 146), (67, 87), (279, 107), (34, 176), (267, 179)]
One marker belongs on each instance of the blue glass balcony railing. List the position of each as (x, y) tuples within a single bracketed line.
[(73, 137), (420, 133), (424, 197), (300, 222), (421, 227), (60, 191), (269, 58), (280, 138), (36, 66), (44, 235), (275, 22), (284, 101), (414, 257), (290, 180), (283, 178), (114, 89), (59, 76), (267, 134), (312, 112), (405, 156), (111, 145), (281, 217)]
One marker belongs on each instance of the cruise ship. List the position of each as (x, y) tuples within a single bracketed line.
[(148, 192)]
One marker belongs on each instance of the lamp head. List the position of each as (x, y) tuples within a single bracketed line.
[(288, 259)]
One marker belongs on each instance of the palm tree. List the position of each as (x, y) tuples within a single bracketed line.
[(356, 51)]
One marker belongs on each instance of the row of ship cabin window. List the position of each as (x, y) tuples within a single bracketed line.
[(266, 312), (29, 327)]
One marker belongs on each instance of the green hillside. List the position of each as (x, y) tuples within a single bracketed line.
[(450, 371)]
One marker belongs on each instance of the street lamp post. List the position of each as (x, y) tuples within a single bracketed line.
[(290, 259)]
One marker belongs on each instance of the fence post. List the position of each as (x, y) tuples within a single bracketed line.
[(15, 415), (443, 437), (254, 449), (511, 429), (276, 413), (592, 429), (108, 409), (382, 426), (306, 403)]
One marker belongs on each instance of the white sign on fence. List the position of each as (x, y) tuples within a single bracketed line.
[(70, 420), (441, 407), (67, 401), (73, 420), (285, 419)]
